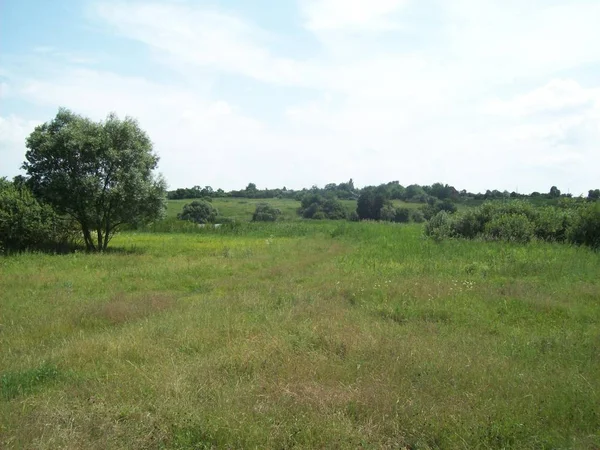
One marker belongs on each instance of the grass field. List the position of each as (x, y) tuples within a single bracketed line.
[(301, 334), (243, 208)]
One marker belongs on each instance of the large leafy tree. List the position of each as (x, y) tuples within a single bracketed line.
[(99, 173)]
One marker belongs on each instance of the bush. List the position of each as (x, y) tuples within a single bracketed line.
[(315, 206), (199, 211), (585, 229), (265, 213), (416, 215), (551, 224), (402, 215), (434, 206), (354, 217), (518, 221), (27, 224), (387, 213), (510, 227), (469, 224), (440, 226)]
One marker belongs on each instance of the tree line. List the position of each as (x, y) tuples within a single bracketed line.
[(413, 193)]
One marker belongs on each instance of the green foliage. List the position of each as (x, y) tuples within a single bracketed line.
[(371, 202), (594, 194), (315, 206), (390, 213), (199, 211), (265, 213), (585, 229), (439, 226), (387, 213), (519, 221), (27, 224), (417, 216), (435, 206), (511, 228), (99, 173), (402, 215)]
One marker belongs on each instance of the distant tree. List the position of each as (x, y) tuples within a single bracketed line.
[(199, 211), (99, 173), (265, 213), (594, 194), (554, 192), (370, 202), (315, 206), (388, 213)]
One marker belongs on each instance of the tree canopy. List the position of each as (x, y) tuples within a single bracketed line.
[(99, 173)]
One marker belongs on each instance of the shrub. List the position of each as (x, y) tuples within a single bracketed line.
[(199, 211), (510, 227), (27, 224), (265, 213), (402, 215), (387, 213), (354, 217), (416, 215), (551, 224), (585, 229), (315, 206), (434, 206), (440, 226)]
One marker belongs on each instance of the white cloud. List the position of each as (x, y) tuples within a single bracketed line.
[(13, 132), (323, 15), (557, 96)]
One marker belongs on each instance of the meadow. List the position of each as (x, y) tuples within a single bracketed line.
[(300, 334)]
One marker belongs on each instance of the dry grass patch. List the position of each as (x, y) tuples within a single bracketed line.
[(124, 308)]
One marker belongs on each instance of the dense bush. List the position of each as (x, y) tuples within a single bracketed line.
[(199, 211), (27, 224), (265, 213), (510, 227), (435, 206), (390, 213), (315, 206), (416, 215), (519, 221), (439, 226), (585, 229)]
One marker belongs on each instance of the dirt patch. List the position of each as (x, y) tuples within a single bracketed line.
[(123, 308)]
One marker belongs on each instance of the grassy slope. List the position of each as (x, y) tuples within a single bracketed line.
[(301, 334), (243, 208)]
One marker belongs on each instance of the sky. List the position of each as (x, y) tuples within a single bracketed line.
[(480, 94)]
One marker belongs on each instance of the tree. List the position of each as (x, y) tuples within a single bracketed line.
[(265, 213), (199, 211), (370, 202), (593, 194), (99, 173), (554, 192)]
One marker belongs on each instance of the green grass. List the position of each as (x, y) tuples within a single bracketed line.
[(241, 209), (301, 334)]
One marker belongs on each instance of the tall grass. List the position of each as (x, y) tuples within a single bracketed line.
[(308, 334)]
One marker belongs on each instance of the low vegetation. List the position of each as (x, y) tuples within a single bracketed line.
[(519, 221), (304, 334)]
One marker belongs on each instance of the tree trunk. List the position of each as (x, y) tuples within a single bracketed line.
[(87, 237)]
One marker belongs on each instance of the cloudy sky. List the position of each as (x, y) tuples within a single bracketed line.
[(480, 94)]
